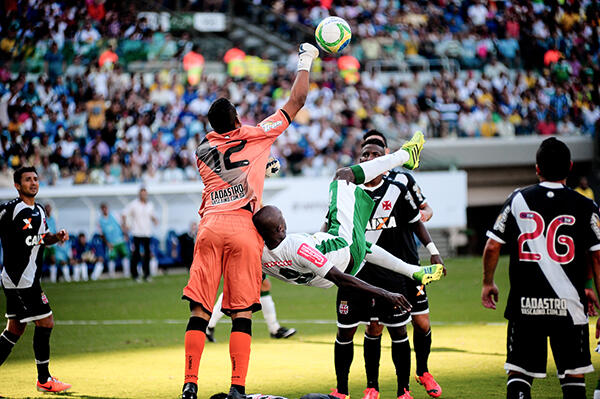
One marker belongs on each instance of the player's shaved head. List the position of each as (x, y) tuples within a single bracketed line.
[(375, 135), (270, 224), (222, 116), (553, 160)]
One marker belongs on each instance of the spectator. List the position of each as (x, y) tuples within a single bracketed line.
[(584, 188), (115, 240), (138, 216)]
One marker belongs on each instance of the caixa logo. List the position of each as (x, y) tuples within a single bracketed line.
[(34, 240)]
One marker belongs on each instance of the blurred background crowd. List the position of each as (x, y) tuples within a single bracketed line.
[(73, 104)]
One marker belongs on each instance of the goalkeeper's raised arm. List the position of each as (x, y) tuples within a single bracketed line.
[(306, 54)]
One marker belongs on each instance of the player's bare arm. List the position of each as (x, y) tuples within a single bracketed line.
[(306, 54), (347, 281), (423, 235), (60, 236), (489, 292)]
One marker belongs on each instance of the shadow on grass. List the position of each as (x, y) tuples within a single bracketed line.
[(436, 349)]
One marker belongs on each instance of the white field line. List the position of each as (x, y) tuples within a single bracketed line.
[(286, 321)]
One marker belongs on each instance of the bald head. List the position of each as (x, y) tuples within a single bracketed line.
[(270, 224)]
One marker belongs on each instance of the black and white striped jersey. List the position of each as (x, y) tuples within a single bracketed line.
[(411, 184), (22, 231), (389, 227), (549, 230)]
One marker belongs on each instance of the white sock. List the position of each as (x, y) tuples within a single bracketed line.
[(126, 267), (268, 309), (76, 273), (98, 269), (383, 258), (53, 273), (373, 168), (153, 266), (84, 271), (597, 394), (216, 314), (111, 268), (66, 273)]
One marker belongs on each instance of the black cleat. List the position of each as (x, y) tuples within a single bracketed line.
[(284, 332), (210, 334), (190, 391), (234, 394)]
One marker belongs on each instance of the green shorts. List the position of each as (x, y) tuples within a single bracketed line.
[(119, 251)]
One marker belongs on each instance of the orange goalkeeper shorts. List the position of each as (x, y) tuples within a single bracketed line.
[(227, 245)]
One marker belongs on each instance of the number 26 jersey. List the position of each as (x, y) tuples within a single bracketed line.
[(549, 229)]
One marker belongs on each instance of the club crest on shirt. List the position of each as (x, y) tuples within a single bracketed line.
[(343, 308)]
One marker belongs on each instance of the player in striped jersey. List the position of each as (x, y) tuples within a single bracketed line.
[(550, 231), (24, 235)]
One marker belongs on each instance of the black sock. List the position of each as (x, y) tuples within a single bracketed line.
[(241, 389), (372, 353), (573, 387), (518, 386), (41, 350), (343, 354), (401, 359), (422, 344), (7, 341), (598, 385)]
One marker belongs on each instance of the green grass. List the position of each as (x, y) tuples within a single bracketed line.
[(109, 360)]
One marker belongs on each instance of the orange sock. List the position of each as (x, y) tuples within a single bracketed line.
[(194, 346), (239, 351)]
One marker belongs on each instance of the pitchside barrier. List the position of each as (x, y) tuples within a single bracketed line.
[(302, 200)]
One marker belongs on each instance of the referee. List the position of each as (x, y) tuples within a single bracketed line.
[(24, 235)]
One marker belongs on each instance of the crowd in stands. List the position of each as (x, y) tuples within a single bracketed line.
[(526, 68)]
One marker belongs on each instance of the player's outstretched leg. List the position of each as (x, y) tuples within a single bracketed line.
[(414, 147), (427, 274)]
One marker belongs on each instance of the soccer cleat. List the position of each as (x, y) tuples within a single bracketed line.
[(414, 147), (53, 385), (431, 386), (336, 394), (234, 394), (210, 334), (190, 391), (427, 274), (371, 393), (405, 395), (284, 332)]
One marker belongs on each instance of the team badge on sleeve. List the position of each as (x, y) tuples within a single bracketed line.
[(595, 223)]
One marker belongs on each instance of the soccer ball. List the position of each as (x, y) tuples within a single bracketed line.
[(333, 34)]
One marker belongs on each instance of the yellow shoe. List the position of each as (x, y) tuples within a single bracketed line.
[(53, 385), (427, 274), (414, 147)]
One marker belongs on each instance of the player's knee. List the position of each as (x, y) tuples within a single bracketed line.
[(398, 333), (241, 324), (197, 324), (421, 323), (265, 286), (47, 322), (345, 334), (15, 327), (374, 329)]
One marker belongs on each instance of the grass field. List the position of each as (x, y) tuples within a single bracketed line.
[(118, 339)]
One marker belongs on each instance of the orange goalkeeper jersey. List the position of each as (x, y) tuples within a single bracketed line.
[(232, 165)]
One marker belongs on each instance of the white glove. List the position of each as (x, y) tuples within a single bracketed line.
[(306, 54), (273, 167)]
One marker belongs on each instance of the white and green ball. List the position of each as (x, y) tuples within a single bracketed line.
[(273, 167), (333, 34)]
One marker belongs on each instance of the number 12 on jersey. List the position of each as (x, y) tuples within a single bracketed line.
[(550, 239)]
